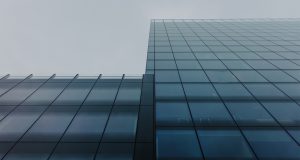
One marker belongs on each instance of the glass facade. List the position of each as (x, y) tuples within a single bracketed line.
[(77, 117), (226, 89), (213, 89)]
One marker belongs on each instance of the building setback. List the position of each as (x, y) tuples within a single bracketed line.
[(213, 89)]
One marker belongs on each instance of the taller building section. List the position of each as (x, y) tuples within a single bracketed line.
[(226, 89)]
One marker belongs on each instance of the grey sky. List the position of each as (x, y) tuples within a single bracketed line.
[(103, 36)]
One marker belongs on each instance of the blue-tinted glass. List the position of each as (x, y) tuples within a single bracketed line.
[(121, 126), (166, 76), (193, 76), (284, 64), (294, 73), (250, 114), (260, 64), (31, 151), (236, 64), (4, 148), (165, 65), (295, 133), (102, 94), (51, 125), (200, 91), (265, 91), (4, 87), (221, 76), (74, 94), (287, 113), (16, 123), (172, 114), (233, 91), (46, 94), (75, 151), (188, 64), (169, 91), (5, 110), (18, 94), (114, 151), (164, 56), (224, 144), (249, 76), (177, 144), (291, 89), (276, 76), (129, 94), (272, 144), (184, 56), (210, 114), (212, 64), (205, 56), (226, 55), (88, 125)]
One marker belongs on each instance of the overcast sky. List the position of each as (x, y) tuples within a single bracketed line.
[(103, 36)]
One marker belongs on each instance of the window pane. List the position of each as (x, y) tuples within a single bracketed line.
[(224, 144), (184, 144), (287, 113), (88, 125), (46, 94), (166, 76), (122, 151), (248, 76), (172, 114), (212, 64), (169, 91), (165, 65), (188, 64), (272, 144), (193, 76), (51, 125), (200, 91), (265, 91), (232, 91), (74, 94), (125, 115), (221, 76), (276, 76), (210, 114), (292, 89), (76, 151), (129, 94), (260, 64), (102, 94), (250, 114)]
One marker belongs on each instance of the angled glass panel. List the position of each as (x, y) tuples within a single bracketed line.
[(260, 64), (4, 87), (210, 114), (4, 148), (165, 65), (265, 91), (269, 143), (291, 89), (5, 110), (46, 94), (74, 94), (236, 64), (233, 91), (294, 73), (221, 76), (295, 133), (184, 144), (198, 91), (192, 76), (18, 122), (287, 113), (88, 125), (166, 76), (230, 140), (125, 115), (76, 151), (31, 151), (284, 64), (18, 94), (102, 94), (276, 76), (51, 125), (112, 151), (172, 114), (129, 94), (188, 64), (250, 113), (169, 91), (212, 64), (249, 76)]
